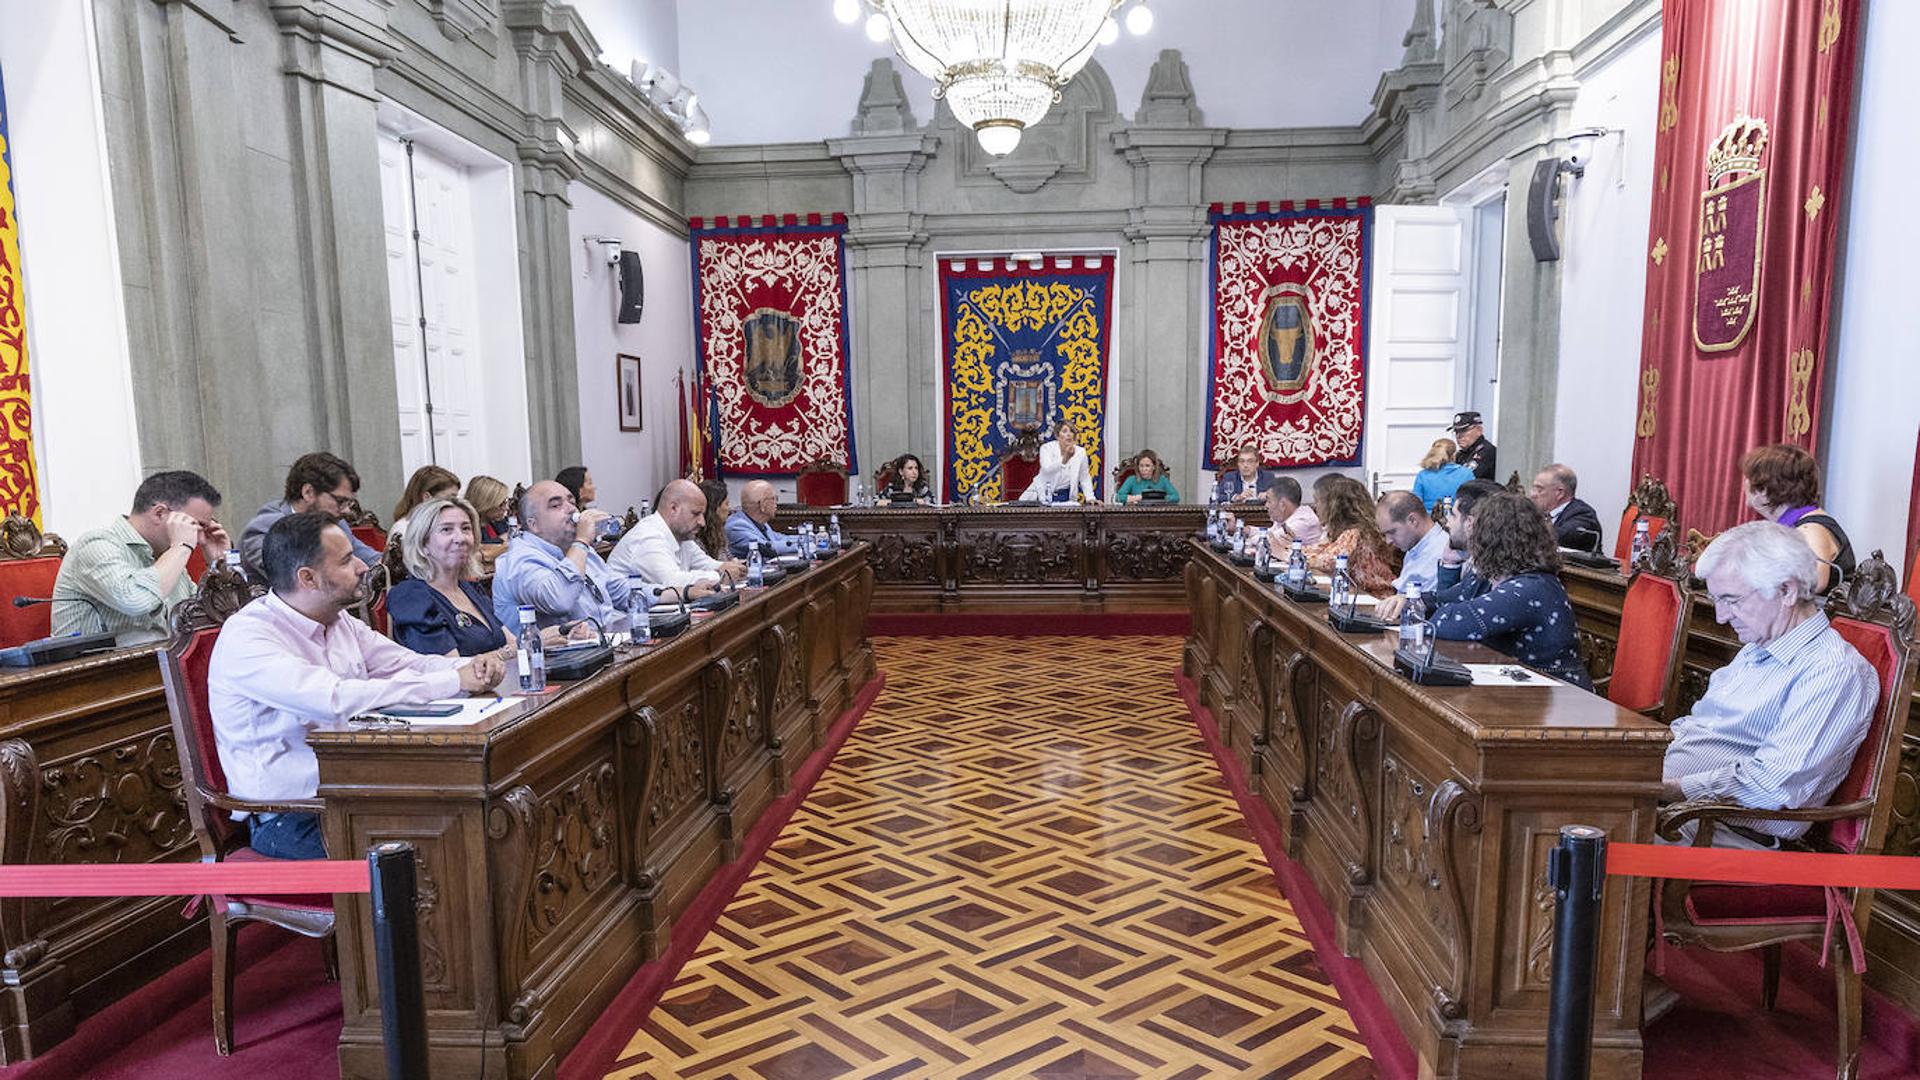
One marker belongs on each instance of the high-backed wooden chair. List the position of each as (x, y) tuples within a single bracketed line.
[(1653, 632), (183, 670), (29, 563), (1650, 500), (822, 483), (1124, 469), (1019, 465), (883, 477), (1876, 619), (1913, 577)]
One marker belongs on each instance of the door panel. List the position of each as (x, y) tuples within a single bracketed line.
[(1418, 343)]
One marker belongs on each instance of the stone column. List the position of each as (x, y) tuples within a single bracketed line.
[(554, 47), (887, 292), (1162, 384), (331, 49)]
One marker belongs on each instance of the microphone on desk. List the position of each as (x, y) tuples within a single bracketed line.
[(661, 592), (29, 601), (1584, 539), (727, 580)]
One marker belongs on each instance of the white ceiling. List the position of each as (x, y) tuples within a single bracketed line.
[(785, 71)]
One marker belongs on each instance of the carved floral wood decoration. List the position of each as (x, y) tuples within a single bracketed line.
[(573, 847), (122, 804)]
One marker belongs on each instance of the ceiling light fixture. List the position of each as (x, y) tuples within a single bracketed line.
[(1000, 65)]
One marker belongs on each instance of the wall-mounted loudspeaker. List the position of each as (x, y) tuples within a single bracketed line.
[(1543, 210), (633, 287)]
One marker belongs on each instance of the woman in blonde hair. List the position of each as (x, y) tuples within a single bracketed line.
[(1439, 477), (439, 609)]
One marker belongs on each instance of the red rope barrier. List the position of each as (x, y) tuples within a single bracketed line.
[(278, 878), (1764, 867)]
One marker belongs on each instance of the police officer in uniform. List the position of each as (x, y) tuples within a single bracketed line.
[(1475, 451)]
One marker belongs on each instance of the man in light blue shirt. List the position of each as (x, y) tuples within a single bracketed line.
[(552, 566), (1779, 726), (1403, 520), (752, 524)]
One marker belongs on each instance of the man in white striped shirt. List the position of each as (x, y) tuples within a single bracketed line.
[(1777, 727)]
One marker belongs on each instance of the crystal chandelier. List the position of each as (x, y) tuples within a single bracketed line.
[(1000, 64)]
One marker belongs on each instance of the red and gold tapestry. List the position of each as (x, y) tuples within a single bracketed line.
[(19, 487), (1750, 154), (1287, 350), (770, 337)]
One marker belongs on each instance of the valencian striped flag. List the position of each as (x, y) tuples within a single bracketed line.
[(19, 487)]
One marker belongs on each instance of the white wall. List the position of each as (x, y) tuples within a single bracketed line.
[(1874, 368), (85, 440), (786, 71), (629, 466), (1603, 270), (629, 30)]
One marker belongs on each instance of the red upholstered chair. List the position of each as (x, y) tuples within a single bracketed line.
[(823, 483), (1016, 472), (29, 562), (183, 671), (1652, 500), (1653, 633), (1876, 619), (883, 478)]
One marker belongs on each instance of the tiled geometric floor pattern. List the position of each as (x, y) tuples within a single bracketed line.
[(1023, 863)]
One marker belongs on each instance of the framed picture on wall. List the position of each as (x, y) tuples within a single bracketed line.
[(627, 370)]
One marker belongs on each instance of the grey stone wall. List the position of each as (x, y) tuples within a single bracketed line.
[(242, 147)]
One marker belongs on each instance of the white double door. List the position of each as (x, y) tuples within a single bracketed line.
[(431, 278), (1433, 340)]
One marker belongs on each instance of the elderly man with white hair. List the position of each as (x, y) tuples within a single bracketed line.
[(1777, 727)]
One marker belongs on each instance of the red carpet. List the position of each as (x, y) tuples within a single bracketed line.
[(286, 1023), (596, 1053), (1391, 1052), (1031, 624)]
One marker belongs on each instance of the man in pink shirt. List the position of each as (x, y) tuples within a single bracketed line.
[(293, 661), (1291, 519)]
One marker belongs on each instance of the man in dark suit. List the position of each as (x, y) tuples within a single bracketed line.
[(1475, 451), (1574, 522)]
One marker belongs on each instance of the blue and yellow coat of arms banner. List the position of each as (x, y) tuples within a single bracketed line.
[(1024, 346)]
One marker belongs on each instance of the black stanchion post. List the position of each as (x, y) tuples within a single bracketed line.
[(396, 946), (1577, 870)]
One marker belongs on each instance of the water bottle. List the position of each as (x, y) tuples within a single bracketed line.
[(1262, 556), (1640, 542), (1297, 565), (756, 569), (1340, 591), (806, 541), (639, 627), (833, 528), (232, 563), (513, 528), (646, 507), (1213, 517), (1244, 539), (608, 526), (531, 653), (1413, 629), (859, 498)]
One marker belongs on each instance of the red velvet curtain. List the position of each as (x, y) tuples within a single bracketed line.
[(1740, 272)]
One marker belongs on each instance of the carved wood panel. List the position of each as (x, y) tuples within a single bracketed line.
[(682, 780), (575, 833), (1145, 556), (1020, 558), (118, 804)]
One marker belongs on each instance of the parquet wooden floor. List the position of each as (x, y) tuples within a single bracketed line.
[(1023, 863)]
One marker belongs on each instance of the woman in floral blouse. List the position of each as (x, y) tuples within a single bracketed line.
[(1524, 612), (1346, 510)]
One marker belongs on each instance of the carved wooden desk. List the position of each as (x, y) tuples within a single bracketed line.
[(1424, 815), (88, 774), (1893, 936), (1021, 558), (559, 840)]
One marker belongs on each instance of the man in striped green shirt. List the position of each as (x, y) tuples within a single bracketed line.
[(126, 577)]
